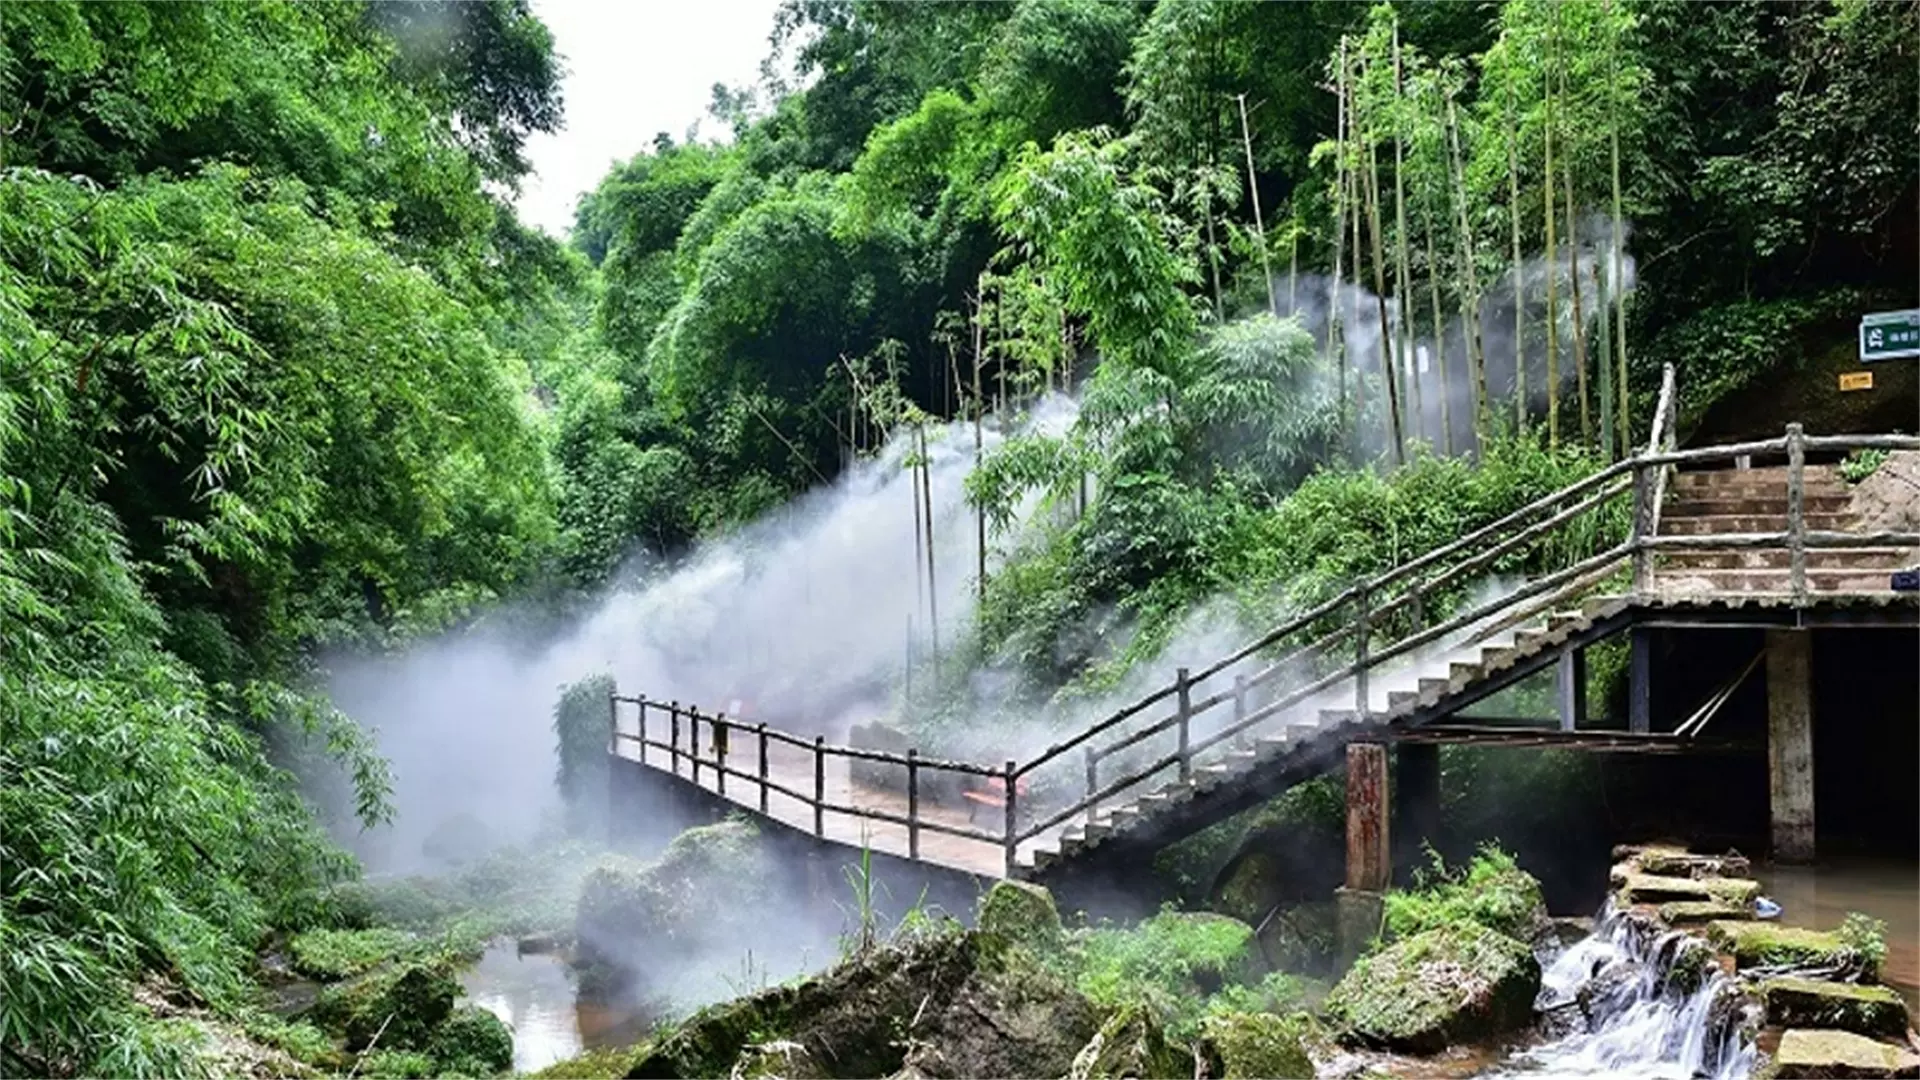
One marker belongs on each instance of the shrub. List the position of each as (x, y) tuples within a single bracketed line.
[(1172, 962), (332, 955), (1491, 890)]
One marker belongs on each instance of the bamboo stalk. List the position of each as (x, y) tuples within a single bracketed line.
[(1519, 280), (1618, 284), (1387, 364), (1259, 225), (979, 411), (1470, 299), (1439, 327), (933, 590), (1339, 225), (1579, 323), (1403, 307)]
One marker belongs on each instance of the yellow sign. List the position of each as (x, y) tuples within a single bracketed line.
[(1856, 380)]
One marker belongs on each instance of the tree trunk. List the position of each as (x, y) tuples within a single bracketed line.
[(1470, 298)]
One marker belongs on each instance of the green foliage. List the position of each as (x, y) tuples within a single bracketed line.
[(472, 1042), (583, 726), (1171, 963), (331, 955), (399, 1065), (1860, 464), (1490, 890), (1866, 936)]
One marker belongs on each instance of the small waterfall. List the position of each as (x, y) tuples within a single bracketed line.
[(1636, 999)]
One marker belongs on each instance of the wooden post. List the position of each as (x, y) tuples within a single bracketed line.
[(913, 803), (819, 785), (1796, 515), (1571, 683), (720, 741), (1368, 866), (1418, 602), (1239, 708), (1360, 655), (613, 723), (1186, 715), (1642, 526), (693, 741), (1013, 796), (1093, 779), (673, 738), (1640, 680), (643, 729), (762, 729)]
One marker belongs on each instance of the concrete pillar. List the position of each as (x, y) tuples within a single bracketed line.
[(1790, 743), (1639, 680), (1416, 798), (1570, 683)]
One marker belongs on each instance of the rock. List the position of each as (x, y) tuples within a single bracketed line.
[(1258, 1045), (1814, 1003), (1130, 1044), (948, 1004), (1815, 1053), (1609, 992), (472, 1042), (1754, 944), (1656, 889), (1667, 863), (778, 1058), (668, 911), (1021, 914), (1300, 937), (1452, 984), (416, 997), (1696, 912)]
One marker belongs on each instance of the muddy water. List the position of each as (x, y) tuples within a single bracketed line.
[(1820, 896), (534, 995)]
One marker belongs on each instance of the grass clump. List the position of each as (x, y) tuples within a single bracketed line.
[(1173, 962), (398, 1065), (332, 955), (1490, 890), (603, 1064), (1866, 936)]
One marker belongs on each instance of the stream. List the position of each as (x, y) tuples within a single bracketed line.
[(1634, 1015)]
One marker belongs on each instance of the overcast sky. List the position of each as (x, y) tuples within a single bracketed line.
[(634, 69)]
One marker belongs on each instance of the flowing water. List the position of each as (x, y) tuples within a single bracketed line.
[(1639, 1001)]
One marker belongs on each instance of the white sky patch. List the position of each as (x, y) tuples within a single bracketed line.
[(634, 70)]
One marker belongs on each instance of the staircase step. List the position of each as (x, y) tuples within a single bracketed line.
[(1497, 658), (1707, 503), (1527, 641), (1776, 580), (1877, 558), (1459, 672), (1751, 523), (1042, 858), (1433, 689)]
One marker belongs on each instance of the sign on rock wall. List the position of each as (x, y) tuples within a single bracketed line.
[(1890, 335)]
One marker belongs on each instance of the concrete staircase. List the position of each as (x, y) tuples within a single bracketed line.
[(1310, 735), (1724, 501)]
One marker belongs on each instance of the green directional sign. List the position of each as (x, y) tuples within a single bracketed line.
[(1889, 335)]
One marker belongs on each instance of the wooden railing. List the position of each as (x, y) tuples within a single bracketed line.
[(1345, 639)]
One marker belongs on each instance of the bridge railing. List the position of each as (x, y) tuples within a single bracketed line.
[(1613, 514)]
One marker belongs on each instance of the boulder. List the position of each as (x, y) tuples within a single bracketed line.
[(402, 1005), (1452, 984), (1132, 1045), (1258, 1045), (1815, 1003), (1018, 913), (1757, 944), (472, 1042), (1300, 937), (669, 911), (1814, 1053), (945, 1004), (1668, 863)]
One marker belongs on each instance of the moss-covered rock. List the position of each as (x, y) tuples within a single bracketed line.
[(707, 889), (963, 1004), (1260, 1045), (1818, 1053), (1815, 1003), (1665, 862), (401, 1004), (472, 1042), (1491, 890), (1130, 1044), (1658, 889), (1021, 914), (1696, 912), (1452, 984), (606, 1063), (1756, 944)]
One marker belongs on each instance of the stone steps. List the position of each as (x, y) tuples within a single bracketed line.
[(1713, 502), (1875, 558), (1714, 524), (1777, 580)]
